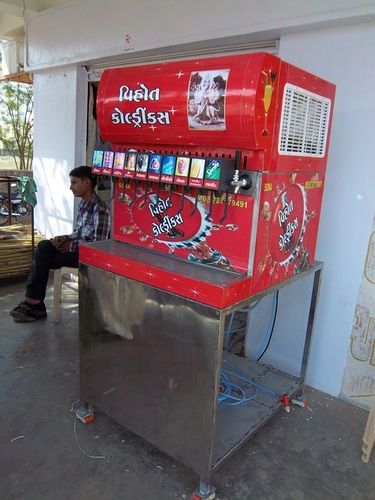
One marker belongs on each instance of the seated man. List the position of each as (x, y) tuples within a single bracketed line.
[(92, 224)]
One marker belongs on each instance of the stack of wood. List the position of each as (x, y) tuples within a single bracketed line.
[(16, 250)]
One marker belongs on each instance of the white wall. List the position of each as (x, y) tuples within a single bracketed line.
[(345, 56), (95, 28), (342, 54), (59, 139)]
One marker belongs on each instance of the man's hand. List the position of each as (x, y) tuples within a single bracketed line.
[(61, 243)]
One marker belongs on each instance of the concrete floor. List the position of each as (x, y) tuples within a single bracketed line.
[(312, 453)]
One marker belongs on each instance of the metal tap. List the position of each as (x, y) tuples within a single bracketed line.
[(235, 182), (240, 182)]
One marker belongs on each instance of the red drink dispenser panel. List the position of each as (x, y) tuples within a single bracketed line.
[(216, 102), (221, 104), (218, 161)]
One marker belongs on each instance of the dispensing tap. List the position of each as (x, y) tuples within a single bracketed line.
[(157, 193), (182, 204), (147, 190), (134, 192), (208, 216), (240, 181), (226, 200), (195, 203), (235, 182)]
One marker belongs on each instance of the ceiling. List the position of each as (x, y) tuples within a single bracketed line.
[(14, 12)]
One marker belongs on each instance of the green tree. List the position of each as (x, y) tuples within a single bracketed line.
[(16, 122)]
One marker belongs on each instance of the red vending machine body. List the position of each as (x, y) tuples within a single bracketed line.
[(219, 161), (208, 103)]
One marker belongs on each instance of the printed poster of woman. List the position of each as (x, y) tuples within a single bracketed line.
[(206, 101)]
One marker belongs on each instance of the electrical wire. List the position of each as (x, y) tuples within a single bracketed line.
[(233, 394), (98, 457), (230, 331), (267, 340), (80, 447)]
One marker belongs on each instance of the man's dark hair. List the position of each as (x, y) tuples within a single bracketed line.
[(84, 172)]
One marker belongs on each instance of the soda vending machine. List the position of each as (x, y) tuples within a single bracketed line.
[(218, 167)]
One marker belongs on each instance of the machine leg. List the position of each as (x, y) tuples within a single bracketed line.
[(300, 401), (85, 413), (205, 491)]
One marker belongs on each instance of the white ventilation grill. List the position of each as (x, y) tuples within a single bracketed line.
[(304, 123)]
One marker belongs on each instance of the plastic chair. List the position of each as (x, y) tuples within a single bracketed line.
[(369, 435), (57, 285)]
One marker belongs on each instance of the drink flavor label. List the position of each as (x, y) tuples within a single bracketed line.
[(97, 161), (108, 162), (196, 172), (182, 170), (167, 169), (154, 168), (141, 166), (130, 165), (119, 163), (212, 174)]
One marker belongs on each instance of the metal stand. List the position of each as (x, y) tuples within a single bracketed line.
[(85, 413), (205, 491), (152, 360)]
